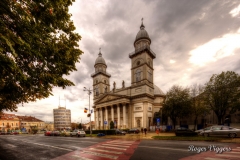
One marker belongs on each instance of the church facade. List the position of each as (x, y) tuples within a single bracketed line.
[(129, 106)]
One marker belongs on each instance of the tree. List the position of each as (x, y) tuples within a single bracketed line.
[(177, 103), (111, 125), (80, 126), (222, 93), (198, 105), (38, 47)]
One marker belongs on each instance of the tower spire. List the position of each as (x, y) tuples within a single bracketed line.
[(142, 26), (100, 54)]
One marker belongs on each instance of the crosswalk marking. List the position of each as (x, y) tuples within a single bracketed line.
[(101, 155), (112, 147), (115, 145), (209, 158), (227, 155), (115, 152)]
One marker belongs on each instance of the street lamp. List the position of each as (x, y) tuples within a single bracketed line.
[(89, 91)]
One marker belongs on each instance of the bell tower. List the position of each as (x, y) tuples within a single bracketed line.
[(101, 79), (142, 59)]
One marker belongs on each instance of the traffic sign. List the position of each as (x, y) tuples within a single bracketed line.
[(105, 122), (158, 120)]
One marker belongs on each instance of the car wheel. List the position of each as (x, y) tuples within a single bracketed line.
[(232, 135), (206, 135), (78, 135)]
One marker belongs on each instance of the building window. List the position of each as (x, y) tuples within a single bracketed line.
[(97, 92), (3, 124), (16, 124), (138, 75), (149, 75), (138, 63), (12, 124)]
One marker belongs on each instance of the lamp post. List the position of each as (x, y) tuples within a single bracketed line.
[(89, 91)]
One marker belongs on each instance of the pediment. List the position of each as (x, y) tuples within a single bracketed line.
[(109, 97)]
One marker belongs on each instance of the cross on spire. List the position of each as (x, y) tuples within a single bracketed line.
[(142, 26), (100, 54)]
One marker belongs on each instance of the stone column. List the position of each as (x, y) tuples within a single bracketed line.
[(101, 121), (124, 115), (118, 116), (106, 118), (97, 119), (112, 113)]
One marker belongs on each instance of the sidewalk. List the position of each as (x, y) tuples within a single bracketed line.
[(139, 136)]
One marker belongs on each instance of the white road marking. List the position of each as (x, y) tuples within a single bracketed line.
[(11, 145), (49, 146), (115, 145), (80, 158), (101, 155), (164, 148), (115, 152), (112, 147), (214, 158), (227, 155), (234, 152), (120, 143)]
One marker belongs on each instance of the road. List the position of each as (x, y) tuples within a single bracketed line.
[(30, 147)]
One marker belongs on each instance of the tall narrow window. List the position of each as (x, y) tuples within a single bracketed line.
[(97, 92), (149, 75), (138, 75)]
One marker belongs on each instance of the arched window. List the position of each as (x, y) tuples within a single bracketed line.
[(105, 81), (138, 75), (106, 89), (96, 91)]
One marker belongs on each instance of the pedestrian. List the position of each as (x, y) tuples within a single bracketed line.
[(142, 130), (145, 131)]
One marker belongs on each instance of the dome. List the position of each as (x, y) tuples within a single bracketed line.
[(100, 59), (158, 91), (142, 34)]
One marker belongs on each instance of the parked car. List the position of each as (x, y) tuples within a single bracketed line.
[(121, 132), (48, 133), (79, 133), (65, 133), (134, 130), (208, 128), (100, 134), (15, 132), (55, 133), (222, 131), (182, 131), (3, 133)]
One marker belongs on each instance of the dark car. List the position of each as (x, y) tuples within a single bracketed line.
[(134, 131), (121, 132), (182, 131), (3, 133), (15, 132), (100, 134), (55, 133)]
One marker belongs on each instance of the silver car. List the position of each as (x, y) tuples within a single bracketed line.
[(221, 131), (79, 133)]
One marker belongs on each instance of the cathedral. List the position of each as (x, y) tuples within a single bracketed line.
[(129, 106)]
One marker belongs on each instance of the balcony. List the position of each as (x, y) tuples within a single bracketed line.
[(141, 49)]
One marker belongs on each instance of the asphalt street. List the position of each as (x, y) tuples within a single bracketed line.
[(30, 147)]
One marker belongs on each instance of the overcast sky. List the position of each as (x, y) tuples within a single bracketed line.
[(192, 39)]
